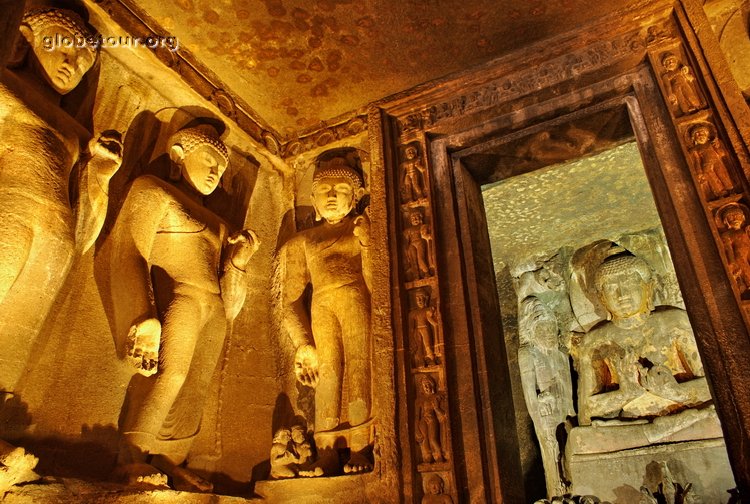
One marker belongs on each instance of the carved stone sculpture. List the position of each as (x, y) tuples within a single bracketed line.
[(423, 328), (41, 146), (413, 181), (16, 467), (283, 459), (547, 385), (431, 422), (710, 163), (436, 491), (642, 363), (418, 247), (680, 86), (177, 277), (736, 239), (332, 340)]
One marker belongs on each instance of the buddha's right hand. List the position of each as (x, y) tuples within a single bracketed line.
[(306, 365), (143, 346)]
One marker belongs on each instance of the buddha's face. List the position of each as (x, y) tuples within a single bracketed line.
[(421, 299), (624, 294), (62, 67), (203, 167), (333, 197), (411, 153), (435, 487)]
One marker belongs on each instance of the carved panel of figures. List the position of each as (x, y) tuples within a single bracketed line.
[(732, 223), (424, 331), (331, 338), (413, 175), (680, 85), (710, 161), (419, 253), (434, 490), (431, 421)]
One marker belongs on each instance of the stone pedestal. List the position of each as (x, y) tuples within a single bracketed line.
[(618, 476), (350, 489)]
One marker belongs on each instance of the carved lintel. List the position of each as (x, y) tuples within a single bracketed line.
[(322, 136)]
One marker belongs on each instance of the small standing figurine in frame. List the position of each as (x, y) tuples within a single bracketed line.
[(413, 182), (418, 247), (435, 491), (680, 86), (431, 423), (736, 241), (423, 328), (710, 162)]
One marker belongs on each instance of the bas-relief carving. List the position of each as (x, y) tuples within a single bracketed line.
[(431, 422), (710, 161), (735, 236), (419, 245), (413, 175), (291, 454), (177, 277), (16, 467), (424, 332), (435, 491), (680, 86), (529, 80), (42, 146), (547, 384), (332, 338)]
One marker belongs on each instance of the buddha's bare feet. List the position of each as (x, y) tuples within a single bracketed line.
[(358, 463), (142, 475), (187, 481)]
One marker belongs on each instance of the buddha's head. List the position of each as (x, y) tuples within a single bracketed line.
[(625, 287), (538, 325), (59, 40), (336, 188), (200, 157), (410, 152)]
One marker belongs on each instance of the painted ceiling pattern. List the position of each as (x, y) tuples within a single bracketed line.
[(300, 62)]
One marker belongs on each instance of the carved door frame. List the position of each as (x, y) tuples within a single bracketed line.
[(619, 65)]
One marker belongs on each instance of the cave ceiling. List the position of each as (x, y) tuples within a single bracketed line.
[(300, 62)]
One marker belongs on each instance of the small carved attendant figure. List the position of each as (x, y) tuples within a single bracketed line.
[(643, 363), (43, 230), (679, 84), (412, 184), (436, 491), (177, 277), (283, 460), (430, 422), (547, 386), (418, 247), (423, 327), (737, 243), (332, 340), (710, 162)]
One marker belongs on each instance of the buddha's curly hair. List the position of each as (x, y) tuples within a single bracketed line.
[(618, 264), (192, 138), (40, 19)]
